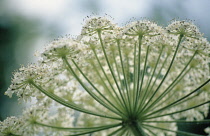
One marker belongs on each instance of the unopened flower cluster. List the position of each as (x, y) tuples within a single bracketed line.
[(138, 79)]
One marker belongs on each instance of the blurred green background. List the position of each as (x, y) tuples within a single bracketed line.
[(28, 25)]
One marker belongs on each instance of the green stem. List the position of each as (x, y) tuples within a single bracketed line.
[(123, 132), (168, 98), (73, 129), (151, 88), (150, 79), (138, 72), (128, 74), (111, 70), (110, 84), (119, 111), (107, 90), (134, 78), (124, 75), (169, 88), (178, 132), (142, 80), (179, 100), (97, 130), (11, 134), (159, 100), (70, 105), (117, 69), (150, 131), (181, 121), (89, 91), (116, 131), (137, 129), (147, 116), (169, 68)]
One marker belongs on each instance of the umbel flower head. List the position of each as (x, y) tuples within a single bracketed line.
[(137, 80)]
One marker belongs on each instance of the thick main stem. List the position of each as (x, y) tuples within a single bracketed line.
[(137, 129)]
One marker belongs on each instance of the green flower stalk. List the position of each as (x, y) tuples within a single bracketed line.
[(137, 80)]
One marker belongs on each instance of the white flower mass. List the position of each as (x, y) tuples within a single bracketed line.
[(140, 79)]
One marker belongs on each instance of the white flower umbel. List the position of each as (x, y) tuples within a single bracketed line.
[(140, 79), (22, 81), (11, 126)]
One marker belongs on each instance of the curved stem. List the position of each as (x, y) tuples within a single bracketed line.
[(168, 98), (110, 84), (178, 132), (119, 111), (181, 121), (151, 107), (89, 91), (179, 100), (116, 131), (124, 75), (70, 105), (147, 116), (169, 88), (117, 69), (11, 134), (97, 130), (153, 84), (111, 70), (73, 129), (169, 68), (150, 131), (149, 82), (107, 90)]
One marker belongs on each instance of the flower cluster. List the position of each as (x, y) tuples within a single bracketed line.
[(140, 79), (24, 78), (11, 126), (184, 28), (95, 24), (61, 48)]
